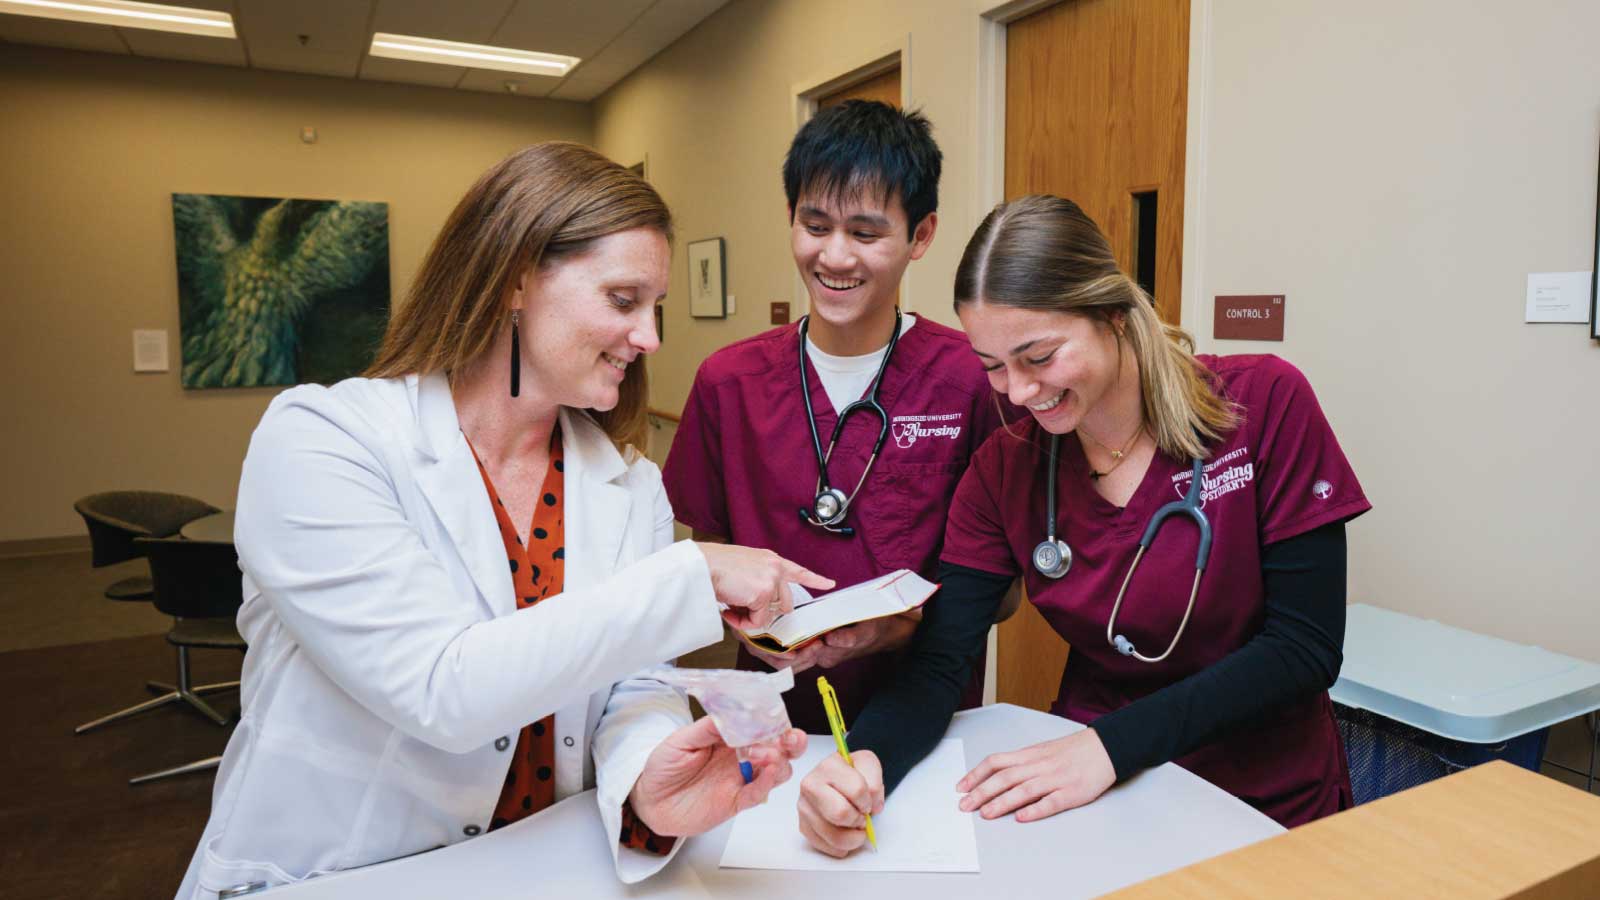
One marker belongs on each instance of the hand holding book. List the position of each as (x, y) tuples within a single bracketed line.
[(888, 595)]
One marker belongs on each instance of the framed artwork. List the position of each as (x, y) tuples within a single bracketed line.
[(278, 291), (1594, 273), (708, 295)]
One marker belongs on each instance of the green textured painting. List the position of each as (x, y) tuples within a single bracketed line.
[(279, 291)]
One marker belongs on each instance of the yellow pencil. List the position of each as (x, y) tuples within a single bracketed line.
[(830, 704)]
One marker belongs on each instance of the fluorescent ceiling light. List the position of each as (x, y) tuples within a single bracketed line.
[(474, 56), (181, 19)]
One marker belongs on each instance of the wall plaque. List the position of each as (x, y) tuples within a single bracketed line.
[(1248, 317)]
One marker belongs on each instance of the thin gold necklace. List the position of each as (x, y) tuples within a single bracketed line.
[(1117, 456)]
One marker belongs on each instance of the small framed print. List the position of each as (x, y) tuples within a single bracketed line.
[(1594, 277), (708, 293)]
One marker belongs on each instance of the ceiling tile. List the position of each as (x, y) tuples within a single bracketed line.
[(405, 71), (187, 47), (572, 27), (336, 31), (470, 21), (580, 89), (665, 22), (611, 64), (55, 33), (495, 82)]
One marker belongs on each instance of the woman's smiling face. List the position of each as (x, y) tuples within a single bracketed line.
[(1058, 365), (587, 319)]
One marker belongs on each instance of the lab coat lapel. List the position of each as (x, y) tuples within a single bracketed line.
[(447, 473), (597, 507)]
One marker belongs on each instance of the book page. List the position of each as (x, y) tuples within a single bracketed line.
[(885, 595), (919, 830)]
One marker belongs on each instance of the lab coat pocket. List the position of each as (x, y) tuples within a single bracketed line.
[(219, 873), (903, 512)]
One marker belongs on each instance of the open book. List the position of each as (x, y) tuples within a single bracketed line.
[(886, 595)]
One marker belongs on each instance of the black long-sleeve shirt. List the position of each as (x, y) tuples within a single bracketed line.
[(1297, 652)]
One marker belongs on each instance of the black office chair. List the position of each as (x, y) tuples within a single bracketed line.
[(197, 583), (115, 518)]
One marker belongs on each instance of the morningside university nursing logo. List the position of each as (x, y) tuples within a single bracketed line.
[(907, 430), (1223, 475)]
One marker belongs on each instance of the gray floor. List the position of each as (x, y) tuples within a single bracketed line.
[(57, 599)]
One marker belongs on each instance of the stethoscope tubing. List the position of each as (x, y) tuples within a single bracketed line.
[(868, 403), (1188, 506)]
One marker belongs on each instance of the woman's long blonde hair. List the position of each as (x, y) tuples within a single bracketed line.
[(1043, 253), (540, 205)]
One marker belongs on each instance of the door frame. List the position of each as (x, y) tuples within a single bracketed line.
[(840, 74), (989, 118), (989, 173)]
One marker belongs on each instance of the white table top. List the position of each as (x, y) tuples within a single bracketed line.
[(1456, 683), (1160, 820), (216, 528)]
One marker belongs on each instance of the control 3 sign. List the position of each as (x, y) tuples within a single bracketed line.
[(1248, 317)]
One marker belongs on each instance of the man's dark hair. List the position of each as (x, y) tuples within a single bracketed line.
[(866, 145)]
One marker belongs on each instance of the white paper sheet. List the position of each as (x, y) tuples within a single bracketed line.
[(919, 830), (1558, 297)]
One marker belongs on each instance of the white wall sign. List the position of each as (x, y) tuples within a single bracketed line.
[(150, 350), (1558, 297)]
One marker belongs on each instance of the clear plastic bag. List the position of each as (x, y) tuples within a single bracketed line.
[(747, 707)]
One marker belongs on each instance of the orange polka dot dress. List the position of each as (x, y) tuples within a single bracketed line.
[(538, 572)]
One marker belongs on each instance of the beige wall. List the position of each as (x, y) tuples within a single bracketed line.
[(714, 114), (1395, 169), (94, 147)]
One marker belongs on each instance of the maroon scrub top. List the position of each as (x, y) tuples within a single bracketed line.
[(742, 466), (1279, 474)]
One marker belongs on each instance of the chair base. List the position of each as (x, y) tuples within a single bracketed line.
[(183, 690), (199, 765), (162, 687), (191, 698), (138, 587)]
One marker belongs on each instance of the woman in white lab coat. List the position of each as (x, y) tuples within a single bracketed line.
[(400, 672)]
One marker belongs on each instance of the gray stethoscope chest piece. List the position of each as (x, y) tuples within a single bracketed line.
[(830, 505), (1052, 558)]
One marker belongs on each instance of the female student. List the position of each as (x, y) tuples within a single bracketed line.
[(1215, 646)]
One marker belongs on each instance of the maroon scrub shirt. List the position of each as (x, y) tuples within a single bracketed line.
[(1279, 474), (742, 466)]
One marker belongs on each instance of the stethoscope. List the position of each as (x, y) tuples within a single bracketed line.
[(830, 505), (1052, 558)]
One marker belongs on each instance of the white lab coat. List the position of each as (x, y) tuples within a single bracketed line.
[(387, 675)]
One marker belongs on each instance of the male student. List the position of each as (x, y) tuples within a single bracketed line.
[(751, 462)]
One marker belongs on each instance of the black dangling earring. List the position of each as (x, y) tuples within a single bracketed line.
[(516, 357)]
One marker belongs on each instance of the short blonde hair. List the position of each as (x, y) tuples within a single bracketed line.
[(1043, 253), (538, 206)]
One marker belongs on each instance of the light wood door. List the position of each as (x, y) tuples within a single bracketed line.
[(884, 86), (1096, 108), (1096, 102)]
